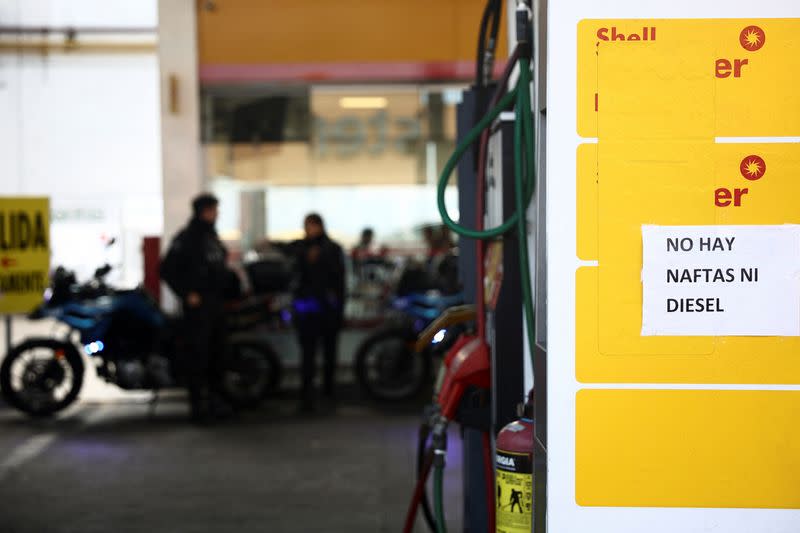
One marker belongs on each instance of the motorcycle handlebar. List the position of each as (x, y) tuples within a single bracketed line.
[(102, 272)]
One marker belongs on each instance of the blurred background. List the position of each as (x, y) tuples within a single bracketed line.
[(120, 112)]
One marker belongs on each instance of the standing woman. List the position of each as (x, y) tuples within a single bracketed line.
[(318, 305)]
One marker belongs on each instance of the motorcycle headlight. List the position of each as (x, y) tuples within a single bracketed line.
[(93, 347)]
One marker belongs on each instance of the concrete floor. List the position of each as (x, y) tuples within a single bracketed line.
[(105, 465)]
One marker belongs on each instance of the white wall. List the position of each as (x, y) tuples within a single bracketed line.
[(83, 129)]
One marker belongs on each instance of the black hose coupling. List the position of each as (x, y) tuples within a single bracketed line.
[(439, 440), (430, 414), (439, 458), (524, 31)]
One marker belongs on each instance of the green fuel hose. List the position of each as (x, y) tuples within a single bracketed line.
[(524, 181), (438, 496)]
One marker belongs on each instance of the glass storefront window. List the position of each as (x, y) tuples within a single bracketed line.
[(359, 155)]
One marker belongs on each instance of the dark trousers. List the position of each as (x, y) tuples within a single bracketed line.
[(204, 344), (314, 329)]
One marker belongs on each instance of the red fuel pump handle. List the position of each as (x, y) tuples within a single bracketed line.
[(469, 367)]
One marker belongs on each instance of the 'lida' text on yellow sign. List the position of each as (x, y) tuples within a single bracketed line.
[(24, 252)]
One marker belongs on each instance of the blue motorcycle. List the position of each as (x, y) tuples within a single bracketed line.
[(387, 366), (132, 343)]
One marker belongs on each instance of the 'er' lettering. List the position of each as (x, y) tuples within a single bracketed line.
[(723, 197), (723, 68)]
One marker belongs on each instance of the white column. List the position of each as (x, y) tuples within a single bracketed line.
[(180, 113)]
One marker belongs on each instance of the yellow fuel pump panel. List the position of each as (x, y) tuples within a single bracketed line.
[(688, 78), (688, 122)]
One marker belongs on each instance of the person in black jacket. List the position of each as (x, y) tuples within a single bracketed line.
[(318, 304), (195, 269)]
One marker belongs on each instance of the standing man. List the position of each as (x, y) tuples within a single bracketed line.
[(361, 253), (363, 250), (194, 268), (318, 305)]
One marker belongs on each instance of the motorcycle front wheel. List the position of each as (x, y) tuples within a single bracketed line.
[(41, 376), (387, 367), (251, 370)]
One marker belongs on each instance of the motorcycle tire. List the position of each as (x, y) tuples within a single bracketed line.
[(66, 361), (250, 372), (387, 367)]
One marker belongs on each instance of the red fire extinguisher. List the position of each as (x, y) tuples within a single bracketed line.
[(514, 473)]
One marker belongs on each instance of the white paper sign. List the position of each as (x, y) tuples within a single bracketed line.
[(721, 280)]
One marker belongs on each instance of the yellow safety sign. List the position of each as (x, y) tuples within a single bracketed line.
[(514, 492), (24, 252)]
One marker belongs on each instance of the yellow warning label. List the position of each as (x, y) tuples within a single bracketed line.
[(24, 253), (514, 492), (493, 279)]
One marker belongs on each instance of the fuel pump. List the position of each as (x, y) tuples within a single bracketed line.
[(468, 364), (524, 163)]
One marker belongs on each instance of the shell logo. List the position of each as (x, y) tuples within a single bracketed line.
[(753, 167), (752, 38)]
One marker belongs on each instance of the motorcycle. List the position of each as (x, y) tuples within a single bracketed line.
[(133, 344), (387, 366)]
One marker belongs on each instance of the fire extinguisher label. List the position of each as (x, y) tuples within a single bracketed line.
[(514, 475)]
